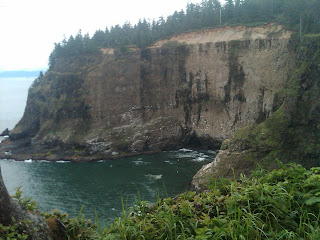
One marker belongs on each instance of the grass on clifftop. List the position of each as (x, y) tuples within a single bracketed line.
[(281, 204)]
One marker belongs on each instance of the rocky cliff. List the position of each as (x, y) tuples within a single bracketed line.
[(195, 89), (290, 134)]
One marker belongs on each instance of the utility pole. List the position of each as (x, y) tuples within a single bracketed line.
[(220, 16)]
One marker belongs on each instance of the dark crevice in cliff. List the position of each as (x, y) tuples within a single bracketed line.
[(237, 76), (221, 46), (204, 142), (262, 114)]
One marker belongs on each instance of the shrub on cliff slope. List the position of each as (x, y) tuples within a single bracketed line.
[(292, 132), (282, 204)]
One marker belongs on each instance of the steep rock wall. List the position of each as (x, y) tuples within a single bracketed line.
[(194, 89), (290, 134)]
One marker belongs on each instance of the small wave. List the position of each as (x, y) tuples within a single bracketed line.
[(139, 162), (212, 152), (199, 159), (203, 155), (168, 162), (186, 155), (43, 161), (61, 161), (154, 177), (185, 150), (28, 161), (3, 138)]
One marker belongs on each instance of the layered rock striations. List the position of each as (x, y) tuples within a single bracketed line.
[(290, 134), (194, 89)]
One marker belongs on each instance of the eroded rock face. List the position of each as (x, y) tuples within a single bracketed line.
[(194, 89), (290, 135)]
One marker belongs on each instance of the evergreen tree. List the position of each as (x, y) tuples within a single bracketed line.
[(197, 16)]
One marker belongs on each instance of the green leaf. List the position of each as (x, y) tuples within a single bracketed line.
[(312, 201)]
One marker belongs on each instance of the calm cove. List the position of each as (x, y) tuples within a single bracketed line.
[(98, 186)]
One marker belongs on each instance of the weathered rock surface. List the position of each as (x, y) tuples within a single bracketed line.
[(194, 89), (290, 134)]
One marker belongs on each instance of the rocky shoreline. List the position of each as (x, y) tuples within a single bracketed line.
[(16, 151)]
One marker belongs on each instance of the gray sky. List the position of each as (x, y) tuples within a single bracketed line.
[(29, 28)]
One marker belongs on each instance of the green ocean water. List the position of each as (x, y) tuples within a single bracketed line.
[(99, 186)]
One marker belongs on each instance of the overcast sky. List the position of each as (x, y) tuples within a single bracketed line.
[(29, 28)]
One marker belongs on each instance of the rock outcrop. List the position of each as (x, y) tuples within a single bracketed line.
[(290, 134), (5, 132), (195, 89)]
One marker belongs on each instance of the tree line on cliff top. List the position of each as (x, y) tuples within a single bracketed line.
[(207, 14)]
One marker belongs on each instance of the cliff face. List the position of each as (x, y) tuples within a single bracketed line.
[(290, 134), (194, 89)]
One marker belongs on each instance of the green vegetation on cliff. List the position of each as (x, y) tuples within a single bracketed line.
[(207, 14), (281, 204), (292, 132)]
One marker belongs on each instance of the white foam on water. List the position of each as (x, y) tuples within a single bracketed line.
[(168, 162), (199, 159), (203, 155), (212, 152), (61, 161), (3, 138), (185, 150), (28, 161), (186, 155), (154, 177), (139, 162)]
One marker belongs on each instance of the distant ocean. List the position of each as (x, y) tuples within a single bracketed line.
[(13, 98)]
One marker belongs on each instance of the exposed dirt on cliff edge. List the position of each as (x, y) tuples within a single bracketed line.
[(226, 34)]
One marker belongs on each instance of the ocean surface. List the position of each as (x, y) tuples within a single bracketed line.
[(98, 186)]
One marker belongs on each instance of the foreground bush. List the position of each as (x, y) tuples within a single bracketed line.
[(281, 204)]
